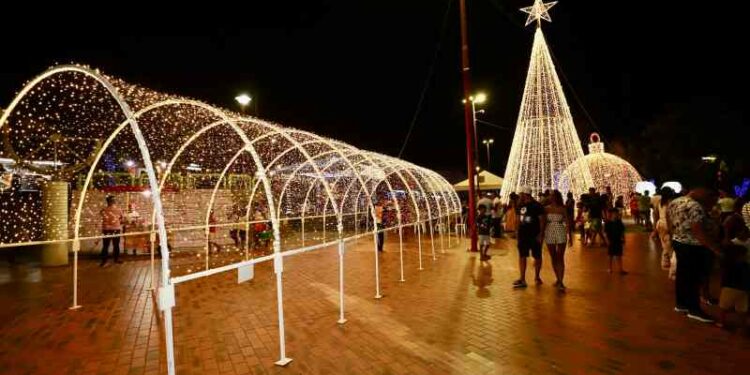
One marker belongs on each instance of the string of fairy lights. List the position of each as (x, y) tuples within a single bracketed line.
[(545, 141), (605, 169), (66, 117)]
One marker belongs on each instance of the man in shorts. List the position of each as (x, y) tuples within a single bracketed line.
[(529, 235), (484, 227), (596, 212)]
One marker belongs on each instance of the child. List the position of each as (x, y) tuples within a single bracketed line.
[(735, 277), (615, 232), (484, 225)]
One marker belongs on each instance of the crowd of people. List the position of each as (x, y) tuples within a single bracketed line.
[(551, 221), (699, 232), (130, 227)]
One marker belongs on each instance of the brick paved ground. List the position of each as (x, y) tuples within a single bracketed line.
[(457, 316)]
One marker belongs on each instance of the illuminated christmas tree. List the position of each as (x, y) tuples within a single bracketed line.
[(545, 141)]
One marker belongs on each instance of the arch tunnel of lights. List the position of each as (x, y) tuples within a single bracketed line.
[(315, 192)]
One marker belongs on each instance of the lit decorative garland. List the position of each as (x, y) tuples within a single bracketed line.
[(545, 141)]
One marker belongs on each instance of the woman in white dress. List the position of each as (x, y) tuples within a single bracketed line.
[(557, 233)]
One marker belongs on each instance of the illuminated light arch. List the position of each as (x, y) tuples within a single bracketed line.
[(431, 197), (130, 120)]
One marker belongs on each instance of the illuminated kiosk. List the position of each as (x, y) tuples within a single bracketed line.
[(605, 170), (311, 192)]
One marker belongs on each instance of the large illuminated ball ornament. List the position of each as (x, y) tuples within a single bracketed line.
[(605, 169), (645, 186), (674, 185)]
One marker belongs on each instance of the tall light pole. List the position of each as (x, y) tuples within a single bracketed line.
[(466, 77), (479, 98), (488, 143), (243, 100)]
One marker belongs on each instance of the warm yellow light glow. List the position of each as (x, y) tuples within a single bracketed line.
[(605, 169), (86, 124), (243, 99), (480, 98), (545, 140), (539, 11)]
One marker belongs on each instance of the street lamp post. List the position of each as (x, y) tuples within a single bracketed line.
[(466, 78), (488, 143), (479, 98), (476, 99)]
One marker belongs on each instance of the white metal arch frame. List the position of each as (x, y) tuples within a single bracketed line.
[(335, 183), (372, 206), (366, 158), (402, 165), (168, 171), (415, 179), (333, 150), (223, 121), (437, 194), (425, 197), (395, 170), (288, 180), (278, 261), (416, 209), (320, 176), (441, 185), (448, 187), (309, 160), (130, 120), (449, 196), (166, 292), (395, 167), (273, 130)]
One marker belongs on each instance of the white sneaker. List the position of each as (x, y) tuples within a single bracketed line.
[(701, 317)]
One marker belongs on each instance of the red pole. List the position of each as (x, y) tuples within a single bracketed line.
[(469, 125)]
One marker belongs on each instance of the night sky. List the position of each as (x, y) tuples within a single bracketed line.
[(354, 70)]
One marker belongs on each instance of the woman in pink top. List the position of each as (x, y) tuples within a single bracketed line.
[(111, 227)]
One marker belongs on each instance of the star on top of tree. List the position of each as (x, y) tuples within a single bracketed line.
[(539, 11)]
